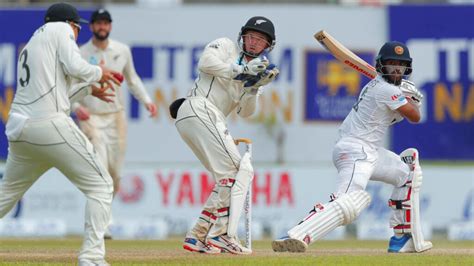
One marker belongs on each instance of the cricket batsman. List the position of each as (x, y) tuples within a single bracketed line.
[(359, 157)]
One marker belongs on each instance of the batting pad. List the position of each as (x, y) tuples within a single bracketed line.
[(238, 193), (411, 157), (326, 218)]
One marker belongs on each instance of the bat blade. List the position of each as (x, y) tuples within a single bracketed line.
[(346, 56)]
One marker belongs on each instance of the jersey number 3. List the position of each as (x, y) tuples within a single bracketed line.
[(24, 65)]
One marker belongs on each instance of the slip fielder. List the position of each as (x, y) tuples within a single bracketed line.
[(105, 124), (41, 133)]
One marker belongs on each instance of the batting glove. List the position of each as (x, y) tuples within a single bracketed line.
[(410, 91)]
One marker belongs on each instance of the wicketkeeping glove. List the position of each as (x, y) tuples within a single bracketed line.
[(262, 79), (268, 76), (252, 68)]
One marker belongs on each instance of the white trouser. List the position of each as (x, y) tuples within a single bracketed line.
[(202, 126), (357, 163), (108, 134), (58, 142)]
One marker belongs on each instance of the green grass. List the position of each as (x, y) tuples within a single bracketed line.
[(448, 163), (170, 252)]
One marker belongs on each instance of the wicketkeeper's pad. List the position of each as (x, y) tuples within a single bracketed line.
[(238, 193)]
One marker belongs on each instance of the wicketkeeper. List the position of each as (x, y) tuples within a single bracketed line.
[(230, 77), (359, 157)]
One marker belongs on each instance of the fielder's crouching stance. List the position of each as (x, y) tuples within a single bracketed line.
[(230, 77), (358, 157)]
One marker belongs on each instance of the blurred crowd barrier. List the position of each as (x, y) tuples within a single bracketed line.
[(155, 202)]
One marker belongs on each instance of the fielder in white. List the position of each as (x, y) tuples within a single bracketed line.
[(41, 133), (230, 77), (359, 157), (104, 123)]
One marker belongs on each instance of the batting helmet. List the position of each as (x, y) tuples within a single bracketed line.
[(63, 12), (262, 25), (394, 51)]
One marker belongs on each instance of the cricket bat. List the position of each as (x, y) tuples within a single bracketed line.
[(341, 53)]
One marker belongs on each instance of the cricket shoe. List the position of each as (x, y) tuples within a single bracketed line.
[(402, 244), (295, 245), (108, 235), (279, 245), (229, 244), (195, 245), (86, 262)]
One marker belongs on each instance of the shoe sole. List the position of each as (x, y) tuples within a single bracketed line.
[(426, 248), (191, 249), (279, 246), (224, 249), (295, 246), (188, 248)]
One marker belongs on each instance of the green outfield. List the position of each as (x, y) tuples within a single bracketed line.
[(348, 252)]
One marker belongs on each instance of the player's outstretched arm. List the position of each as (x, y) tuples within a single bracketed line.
[(152, 109), (410, 111)]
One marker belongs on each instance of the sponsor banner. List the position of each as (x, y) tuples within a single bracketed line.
[(178, 195), (378, 230), (166, 58), (45, 227), (331, 87), (443, 69), (461, 231), (281, 197), (139, 229)]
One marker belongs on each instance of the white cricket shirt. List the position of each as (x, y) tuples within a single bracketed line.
[(215, 81), (373, 113), (46, 66), (118, 57)]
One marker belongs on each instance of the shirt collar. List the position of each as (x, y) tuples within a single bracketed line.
[(110, 46)]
